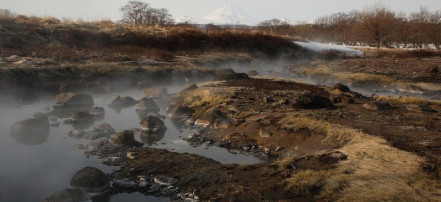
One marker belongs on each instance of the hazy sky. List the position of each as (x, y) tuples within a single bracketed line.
[(295, 10)]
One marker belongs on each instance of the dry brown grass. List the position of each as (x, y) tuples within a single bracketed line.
[(305, 182), (358, 78), (374, 171), (408, 100), (205, 97), (334, 135)]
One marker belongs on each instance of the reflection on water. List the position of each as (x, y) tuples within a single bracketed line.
[(150, 138), (38, 164), (31, 131)]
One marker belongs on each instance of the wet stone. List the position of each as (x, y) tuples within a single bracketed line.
[(32, 131), (90, 177), (73, 100), (68, 195), (82, 116), (123, 102), (126, 138), (152, 124), (97, 112)]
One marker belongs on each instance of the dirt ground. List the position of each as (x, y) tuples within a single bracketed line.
[(266, 119)]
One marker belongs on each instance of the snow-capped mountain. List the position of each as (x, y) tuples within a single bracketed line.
[(231, 15)]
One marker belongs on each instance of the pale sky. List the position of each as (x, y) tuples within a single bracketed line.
[(295, 10)]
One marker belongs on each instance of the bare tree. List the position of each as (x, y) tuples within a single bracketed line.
[(164, 17), (138, 13), (275, 26), (134, 12), (6, 13), (379, 22)]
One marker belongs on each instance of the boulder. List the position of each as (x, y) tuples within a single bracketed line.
[(145, 106), (123, 102), (32, 131), (82, 117), (126, 138), (90, 178), (378, 106), (69, 195), (312, 101), (223, 123), (100, 131), (150, 138), (341, 87), (210, 117), (181, 112), (73, 100), (152, 124), (77, 134), (97, 112)]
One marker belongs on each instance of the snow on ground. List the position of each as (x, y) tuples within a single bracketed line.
[(320, 47)]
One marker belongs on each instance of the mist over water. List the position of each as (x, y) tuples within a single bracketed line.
[(33, 172)]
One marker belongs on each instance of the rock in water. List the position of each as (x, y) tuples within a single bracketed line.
[(100, 131), (73, 100), (152, 124), (69, 195), (181, 112), (32, 131), (126, 138), (82, 117), (90, 178), (97, 112), (149, 138), (145, 106), (122, 102)]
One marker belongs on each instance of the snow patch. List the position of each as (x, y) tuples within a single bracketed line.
[(321, 47)]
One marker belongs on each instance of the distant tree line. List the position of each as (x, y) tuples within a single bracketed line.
[(138, 13), (374, 26)]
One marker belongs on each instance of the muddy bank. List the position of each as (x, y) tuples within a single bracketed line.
[(194, 177), (288, 120)]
